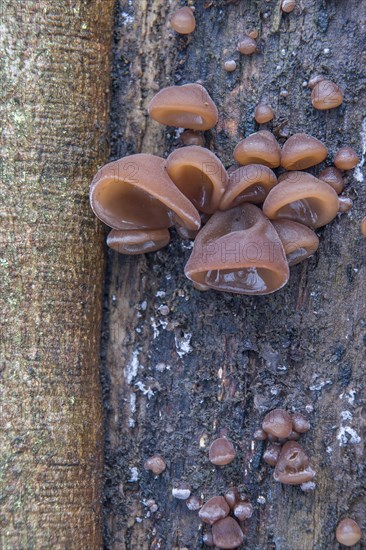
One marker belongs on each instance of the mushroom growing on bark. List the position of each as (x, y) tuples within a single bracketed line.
[(293, 467), (302, 198), (199, 175), (187, 106), (250, 183), (239, 251), (258, 148)]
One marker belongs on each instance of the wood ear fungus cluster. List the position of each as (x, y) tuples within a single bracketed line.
[(283, 452), (255, 225), (225, 531)]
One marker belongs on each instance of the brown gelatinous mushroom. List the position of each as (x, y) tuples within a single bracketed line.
[(187, 106), (181, 491), (156, 464), (135, 192), (232, 496), (300, 423), (247, 46), (199, 175), (292, 467), (363, 227), (227, 533), (346, 158), (294, 436), (208, 539), (230, 65), (302, 198), (333, 177), (137, 241), (299, 241), (183, 21), (239, 251), (250, 183), (258, 148), (344, 204), (243, 510), (348, 532), (326, 95), (263, 113), (214, 509), (221, 452), (189, 137), (288, 5), (193, 503), (302, 151), (277, 422), (272, 453)]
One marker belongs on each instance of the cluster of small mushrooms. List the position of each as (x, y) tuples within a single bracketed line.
[(248, 225), (224, 516), (282, 431)]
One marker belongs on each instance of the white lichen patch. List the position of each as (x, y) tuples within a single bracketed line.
[(349, 396), (132, 367), (319, 385), (346, 415), (132, 404), (134, 474), (127, 18), (183, 344), (347, 435), (145, 390), (358, 175)]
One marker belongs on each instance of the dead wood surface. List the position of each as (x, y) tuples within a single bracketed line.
[(217, 362)]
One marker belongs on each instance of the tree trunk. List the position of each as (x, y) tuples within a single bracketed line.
[(55, 76), (218, 362)]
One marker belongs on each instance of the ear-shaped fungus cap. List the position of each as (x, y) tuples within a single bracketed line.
[(199, 175), (299, 241), (302, 198), (302, 151), (137, 241), (333, 176), (292, 466), (187, 106), (250, 183), (135, 192), (326, 95), (238, 251), (258, 148)]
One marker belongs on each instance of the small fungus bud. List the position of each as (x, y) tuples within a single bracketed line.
[(346, 158), (278, 423), (288, 5), (183, 21), (272, 453), (243, 510), (221, 452), (156, 464), (300, 424), (227, 533), (326, 95), (348, 532), (247, 46), (182, 491), (230, 65), (263, 113), (214, 509)]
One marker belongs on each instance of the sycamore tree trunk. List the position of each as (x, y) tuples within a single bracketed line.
[(208, 363), (55, 80)]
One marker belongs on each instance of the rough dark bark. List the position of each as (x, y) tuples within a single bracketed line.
[(218, 362), (55, 79)]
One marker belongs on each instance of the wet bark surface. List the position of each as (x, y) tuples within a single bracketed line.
[(55, 73), (206, 364)]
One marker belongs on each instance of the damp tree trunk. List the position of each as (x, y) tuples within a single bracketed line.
[(216, 363), (55, 76)]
